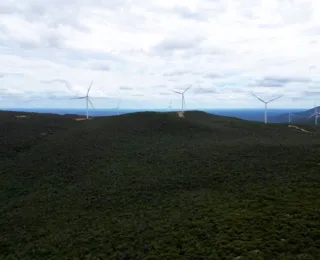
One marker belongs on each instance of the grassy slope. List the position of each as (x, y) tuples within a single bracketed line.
[(155, 186)]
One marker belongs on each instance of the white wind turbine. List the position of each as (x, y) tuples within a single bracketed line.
[(182, 97), (118, 107), (316, 114), (88, 101), (170, 105), (266, 106), (290, 116)]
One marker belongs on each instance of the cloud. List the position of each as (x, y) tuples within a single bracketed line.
[(175, 73), (102, 67), (186, 13), (279, 82), (51, 50), (171, 45), (5, 74), (62, 81), (212, 76), (204, 90), (125, 88), (314, 94), (164, 93)]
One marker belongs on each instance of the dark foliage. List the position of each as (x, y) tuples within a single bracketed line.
[(155, 186)]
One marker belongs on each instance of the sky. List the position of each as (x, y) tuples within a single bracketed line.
[(138, 51)]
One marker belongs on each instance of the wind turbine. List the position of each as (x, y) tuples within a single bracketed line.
[(182, 97), (88, 101), (316, 114), (170, 106), (118, 106), (290, 115), (266, 106)]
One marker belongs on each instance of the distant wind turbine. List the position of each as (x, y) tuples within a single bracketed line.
[(290, 116), (118, 107), (316, 114), (170, 105), (266, 106), (88, 101), (182, 97)]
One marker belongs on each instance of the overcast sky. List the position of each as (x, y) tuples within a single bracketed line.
[(140, 50)]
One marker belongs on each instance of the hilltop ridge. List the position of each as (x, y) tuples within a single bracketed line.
[(19, 134), (297, 117)]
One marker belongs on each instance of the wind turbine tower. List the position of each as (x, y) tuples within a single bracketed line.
[(182, 97), (316, 114), (88, 101), (290, 115), (266, 106), (170, 105), (118, 107)]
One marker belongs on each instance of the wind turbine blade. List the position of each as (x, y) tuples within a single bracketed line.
[(258, 98), (89, 87), (186, 89), (91, 103), (176, 92), (275, 98), (78, 98), (314, 114)]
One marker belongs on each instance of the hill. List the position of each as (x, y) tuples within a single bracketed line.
[(152, 185), (297, 117), (21, 130)]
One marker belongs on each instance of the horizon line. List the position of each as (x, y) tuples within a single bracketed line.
[(208, 108)]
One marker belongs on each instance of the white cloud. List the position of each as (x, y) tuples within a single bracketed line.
[(139, 50)]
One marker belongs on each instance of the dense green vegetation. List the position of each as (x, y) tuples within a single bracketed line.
[(155, 186)]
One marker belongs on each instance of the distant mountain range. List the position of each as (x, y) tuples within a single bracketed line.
[(296, 117)]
